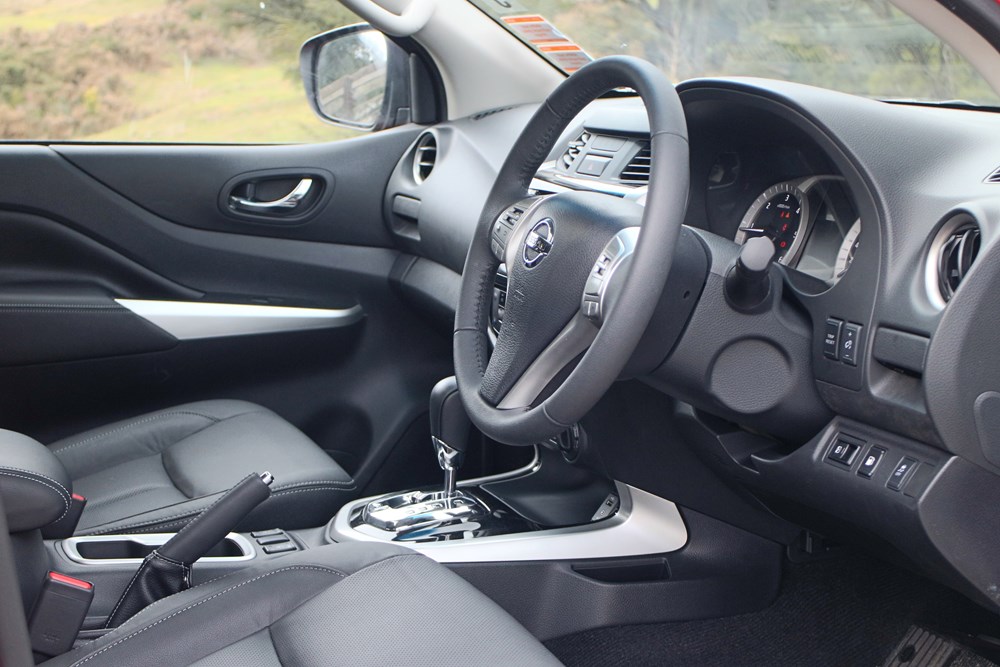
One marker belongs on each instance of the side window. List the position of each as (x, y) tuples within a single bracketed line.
[(178, 71)]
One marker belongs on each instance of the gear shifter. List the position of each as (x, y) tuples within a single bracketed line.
[(449, 430), (422, 514)]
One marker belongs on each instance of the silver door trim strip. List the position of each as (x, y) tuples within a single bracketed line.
[(189, 320), (645, 524)]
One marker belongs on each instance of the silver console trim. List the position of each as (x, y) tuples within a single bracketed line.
[(190, 320), (645, 524), (72, 551)]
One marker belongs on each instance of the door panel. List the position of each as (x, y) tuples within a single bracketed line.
[(101, 226), (190, 185)]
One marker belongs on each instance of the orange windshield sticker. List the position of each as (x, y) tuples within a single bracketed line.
[(534, 29), (569, 57)]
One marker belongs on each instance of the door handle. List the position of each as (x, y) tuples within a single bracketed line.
[(285, 204)]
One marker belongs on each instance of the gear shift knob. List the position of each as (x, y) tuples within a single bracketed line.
[(449, 429)]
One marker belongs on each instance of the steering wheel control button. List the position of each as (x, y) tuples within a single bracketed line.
[(592, 309), (843, 451), (871, 461), (901, 473), (831, 339), (850, 344)]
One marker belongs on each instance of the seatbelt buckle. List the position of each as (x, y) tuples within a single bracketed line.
[(66, 526), (58, 614)]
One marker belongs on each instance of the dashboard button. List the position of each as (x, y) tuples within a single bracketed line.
[(831, 339), (843, 451), (593, 165), (871, 461), (280, 548), (902, 472), (850, 344)]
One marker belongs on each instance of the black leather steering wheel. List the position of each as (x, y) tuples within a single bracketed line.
[(583, 280)]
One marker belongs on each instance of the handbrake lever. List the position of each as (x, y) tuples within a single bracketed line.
[(167, 570)]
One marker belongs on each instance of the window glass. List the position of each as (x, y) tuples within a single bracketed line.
[(205, 71), (865, 47)]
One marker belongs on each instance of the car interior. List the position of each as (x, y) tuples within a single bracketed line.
[(558, 361)]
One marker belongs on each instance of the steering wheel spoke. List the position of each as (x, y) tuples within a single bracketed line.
[(572, 341)]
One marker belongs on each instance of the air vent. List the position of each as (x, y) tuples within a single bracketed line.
[(994, 177), (574, 149), (489, 112), (637, 169), (424, 157), (958, 252)]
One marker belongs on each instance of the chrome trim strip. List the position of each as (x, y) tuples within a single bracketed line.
[(645, 524), (189, 320), (72, 551)]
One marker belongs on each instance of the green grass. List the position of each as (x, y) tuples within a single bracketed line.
[(47, 15), (231, 100), (221, 102)]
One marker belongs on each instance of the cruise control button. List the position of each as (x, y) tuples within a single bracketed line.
[(871, 461), (901, 474)]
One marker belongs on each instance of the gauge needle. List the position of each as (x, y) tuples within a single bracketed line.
[(755, 230)]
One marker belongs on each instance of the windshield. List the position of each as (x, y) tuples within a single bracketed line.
[(865, 47)]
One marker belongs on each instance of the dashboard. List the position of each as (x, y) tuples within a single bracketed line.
[(876, 357), (811, 219)]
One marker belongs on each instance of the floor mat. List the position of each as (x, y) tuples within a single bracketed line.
[(849, 610)]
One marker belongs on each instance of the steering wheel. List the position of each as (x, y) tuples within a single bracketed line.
[(585, 270)]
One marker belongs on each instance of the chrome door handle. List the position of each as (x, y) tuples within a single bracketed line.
[(286, 203)]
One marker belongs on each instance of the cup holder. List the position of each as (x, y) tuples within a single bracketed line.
[(107, 549)]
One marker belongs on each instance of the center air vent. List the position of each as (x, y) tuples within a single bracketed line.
[(959, 248), (636, 172), (994, 177), (574, 149), (424, 157)]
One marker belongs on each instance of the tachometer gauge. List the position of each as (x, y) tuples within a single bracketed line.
[(778, 214), (847, 250)]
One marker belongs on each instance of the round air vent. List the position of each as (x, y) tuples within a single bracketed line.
[(952, 255), (424, 157)]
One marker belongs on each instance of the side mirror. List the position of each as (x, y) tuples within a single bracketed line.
[(357, 78)]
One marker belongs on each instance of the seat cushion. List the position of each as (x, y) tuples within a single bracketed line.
[(158, 471), (346, 604)]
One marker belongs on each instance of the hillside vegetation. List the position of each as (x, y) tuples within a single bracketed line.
[(159, 70)]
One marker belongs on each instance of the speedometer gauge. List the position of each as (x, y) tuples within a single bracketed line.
[(777, 214)]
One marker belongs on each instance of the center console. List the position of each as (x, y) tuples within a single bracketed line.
[(552, 525)]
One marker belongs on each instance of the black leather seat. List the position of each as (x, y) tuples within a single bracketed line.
[(350, 604), (158, 471)]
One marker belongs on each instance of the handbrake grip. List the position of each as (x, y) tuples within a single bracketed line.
[(211, 526)]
